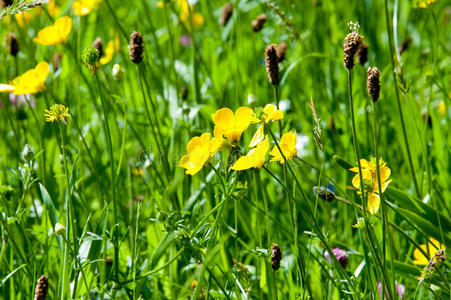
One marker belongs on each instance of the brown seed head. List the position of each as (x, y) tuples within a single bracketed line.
[(56, 61), (98, 45), (5, 3), (276, 257), (373, 84), (362, 53), (281, 49), (404, 45), (257, 24), (272, 67), (11, 44), (41, 288), (136, 48), (350, 47), (227, 11)]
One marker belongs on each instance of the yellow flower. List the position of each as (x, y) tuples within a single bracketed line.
[(430, 249), (57, 112), (231, 125), (370, 185), (84, 7), (53, 9), (138, 171), (23, 18), (31, 82), (425, 4), (270, 113), (55, 34), (287, 145), (254, 159), (112, 47), (200, 149), (187, 11), (442, 108)]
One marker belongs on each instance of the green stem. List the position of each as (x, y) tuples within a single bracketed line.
[(385, 220), (113, 187), (398, 100)]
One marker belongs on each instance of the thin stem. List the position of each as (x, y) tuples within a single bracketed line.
[(385, 221), (113, 186), (398, 100)]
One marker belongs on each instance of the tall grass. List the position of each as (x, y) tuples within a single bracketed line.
[(100, 205)]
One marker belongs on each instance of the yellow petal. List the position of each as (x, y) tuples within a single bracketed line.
[(216, 144), (259, 135), (243, 163), (224, 119), (243, 118), (272, 113), (6, 88), (259, 156), (373, 203), (420, 259)]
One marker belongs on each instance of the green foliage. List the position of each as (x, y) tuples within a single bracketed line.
[(100, 205)]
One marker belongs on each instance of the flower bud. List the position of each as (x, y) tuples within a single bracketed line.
[(257, 24), (323, 193), (90, 59), (362, 54), (117, 72), (340, 255), (272, 66), (276, 257), (226, 14), (352, 43), (12, 44), (98, 45), (60, 229), (372, 83), (27, 153), (136, 47), (281, 49)]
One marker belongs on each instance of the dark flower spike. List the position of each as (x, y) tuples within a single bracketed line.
[(42, 287), (98, 45), (227, 11), (136, 47), (272, 66), (276, 257), (324, 193), (373, 84), (352, 43)]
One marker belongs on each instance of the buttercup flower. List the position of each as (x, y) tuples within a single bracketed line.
[(254, 159), (84, 7), (31, 82), (231, 125), (430, 249), (370, 185), (425, 4), (187, 12), (287, 145), (57, 112), (270, 113), (200, 149), (55, 34)]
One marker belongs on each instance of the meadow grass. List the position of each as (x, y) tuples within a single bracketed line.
[(182, 156)]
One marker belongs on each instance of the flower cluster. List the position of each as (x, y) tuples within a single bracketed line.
[(369, 177), (57, 112), (229, 127)]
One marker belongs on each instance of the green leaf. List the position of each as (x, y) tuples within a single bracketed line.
[(49, 205)]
